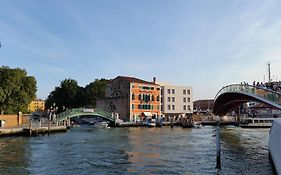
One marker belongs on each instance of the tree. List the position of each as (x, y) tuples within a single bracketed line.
[(70, 95), (95, 91), (66, 95), (17, 90)]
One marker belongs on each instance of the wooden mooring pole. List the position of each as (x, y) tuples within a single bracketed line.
[(218, 146), (49, 127), (30, 127)]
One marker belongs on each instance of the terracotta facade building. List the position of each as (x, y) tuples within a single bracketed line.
[(131, 98)]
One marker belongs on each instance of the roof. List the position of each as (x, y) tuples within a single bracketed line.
[(133, 79)]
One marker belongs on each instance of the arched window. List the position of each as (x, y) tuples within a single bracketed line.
[(133, 96), (158, 98), (112, 107)]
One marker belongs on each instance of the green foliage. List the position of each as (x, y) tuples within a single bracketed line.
[(17, 90), (95, 91), (70, 95)]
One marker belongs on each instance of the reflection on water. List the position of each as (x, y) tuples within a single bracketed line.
[(14, 155), (136, 151)]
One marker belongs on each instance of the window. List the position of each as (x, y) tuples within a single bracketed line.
[(158, 89), (152, 98), (184, 107), (139, 96), (133, 106), (188, 107), (152, 88), (169, 91), (169, 107), (188, 92), (173, 107), (173, 99), (184, 99), (169, 99), (133, 96), (173, 91), (184, 91), (133, 86), (158, 98), (188, 99), (139, 106)]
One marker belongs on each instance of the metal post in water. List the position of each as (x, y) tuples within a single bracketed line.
[(218, 146)]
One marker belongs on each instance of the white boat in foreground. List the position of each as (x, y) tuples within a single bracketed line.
[(274, 144), (252, 122)]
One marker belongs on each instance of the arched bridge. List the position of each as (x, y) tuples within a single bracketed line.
[(231, 96), (84, 111)]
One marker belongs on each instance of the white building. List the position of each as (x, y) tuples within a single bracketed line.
[(176, 101)]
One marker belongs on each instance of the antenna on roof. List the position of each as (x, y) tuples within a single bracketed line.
[(269, 78)]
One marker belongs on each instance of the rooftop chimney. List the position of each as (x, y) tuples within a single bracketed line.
[(154, 80)]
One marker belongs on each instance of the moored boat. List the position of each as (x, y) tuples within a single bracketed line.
[(100, 124), (252, 122), (196, 125)]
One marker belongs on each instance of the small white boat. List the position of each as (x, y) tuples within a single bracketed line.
[(100, 125), (196, 125)]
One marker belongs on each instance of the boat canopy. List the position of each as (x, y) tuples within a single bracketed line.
[(147, 114)]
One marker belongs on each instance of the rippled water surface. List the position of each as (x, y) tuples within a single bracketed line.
[(138, 150)]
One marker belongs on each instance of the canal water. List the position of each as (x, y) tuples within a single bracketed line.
[(139, 150)]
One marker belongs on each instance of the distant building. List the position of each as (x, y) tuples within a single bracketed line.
[(36, 105), (203, 106), (176, 101), (131, 98)]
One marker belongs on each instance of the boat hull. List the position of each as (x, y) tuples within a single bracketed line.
[(274, 144)]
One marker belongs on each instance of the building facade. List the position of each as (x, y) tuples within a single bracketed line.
[(36, 105), (176, 101), (131, 98)]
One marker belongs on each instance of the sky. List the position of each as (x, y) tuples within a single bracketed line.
[(206, 44)]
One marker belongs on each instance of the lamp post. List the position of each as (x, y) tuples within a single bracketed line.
[(52, 115)]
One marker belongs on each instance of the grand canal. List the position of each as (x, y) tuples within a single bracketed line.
[(138, 150)]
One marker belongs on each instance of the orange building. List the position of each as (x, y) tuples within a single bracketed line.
[(131, 98), (145, 99)]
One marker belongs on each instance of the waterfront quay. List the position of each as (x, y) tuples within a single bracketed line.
[(23, 125)]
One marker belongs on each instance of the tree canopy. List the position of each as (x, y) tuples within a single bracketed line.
[(70, 95), (17, 90)]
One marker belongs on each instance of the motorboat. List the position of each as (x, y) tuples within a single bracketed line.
[(274, 144), (255, 122), (100, 124), (196, 125)]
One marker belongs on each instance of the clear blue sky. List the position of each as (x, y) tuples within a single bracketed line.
[(205, 44)]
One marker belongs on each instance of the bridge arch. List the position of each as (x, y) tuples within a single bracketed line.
[(85, 111), (231, 96)]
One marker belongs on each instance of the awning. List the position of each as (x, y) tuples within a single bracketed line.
[(147, 114)]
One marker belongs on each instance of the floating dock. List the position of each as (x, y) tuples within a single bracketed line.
[(25, 131)]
